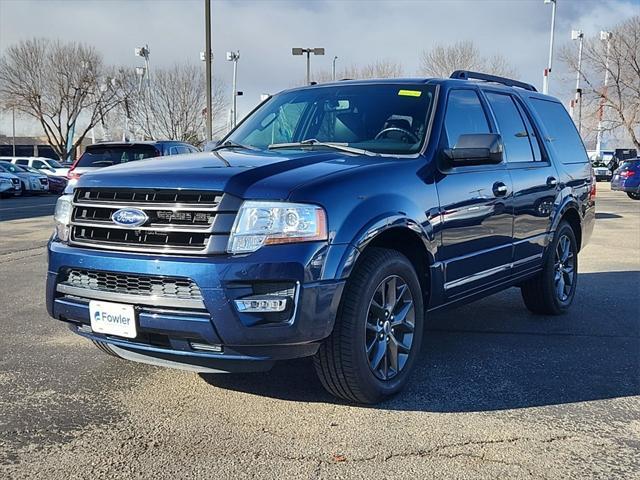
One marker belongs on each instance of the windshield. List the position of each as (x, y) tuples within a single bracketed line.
[(11, 168), (54, 164), (383, 118), (107, 155)]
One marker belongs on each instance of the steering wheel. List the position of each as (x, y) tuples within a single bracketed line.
[(412, 136)]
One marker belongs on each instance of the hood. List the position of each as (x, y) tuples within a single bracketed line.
[(243, 173), (9, 176)]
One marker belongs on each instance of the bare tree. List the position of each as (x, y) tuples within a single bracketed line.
[(619, 103), (174, 106), (65, 86), (385, 68), (442, 60)]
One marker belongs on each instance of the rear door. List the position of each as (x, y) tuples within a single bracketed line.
[(534, 177), (475, 203)]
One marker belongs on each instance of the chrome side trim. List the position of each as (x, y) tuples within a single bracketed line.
[(152, 300), (476, 276), (490, 271)]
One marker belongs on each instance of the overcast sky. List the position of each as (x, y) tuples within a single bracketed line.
[(358, 32)]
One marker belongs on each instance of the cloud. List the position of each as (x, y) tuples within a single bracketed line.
[(358, 32)]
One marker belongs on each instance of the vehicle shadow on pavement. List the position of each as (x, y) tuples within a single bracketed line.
[(495, 355), (606, 215)]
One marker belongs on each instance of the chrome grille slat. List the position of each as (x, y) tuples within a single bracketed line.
[(184, 227)]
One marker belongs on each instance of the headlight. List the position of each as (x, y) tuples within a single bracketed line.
[(62, 217), (269, 223)]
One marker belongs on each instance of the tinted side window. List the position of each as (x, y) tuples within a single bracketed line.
[(39, 164), (464, 115), (511, 125), (563, 135), (22, 161)]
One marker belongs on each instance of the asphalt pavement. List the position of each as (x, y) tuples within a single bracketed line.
[(497, 392)]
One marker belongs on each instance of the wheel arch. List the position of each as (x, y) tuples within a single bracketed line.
[(569, 212), (402, 235)]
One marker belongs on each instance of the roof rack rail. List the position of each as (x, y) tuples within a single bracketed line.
[(468, 75)]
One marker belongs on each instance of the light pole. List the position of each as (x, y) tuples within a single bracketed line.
[(144, 53), (234, 57), (605, 37), (578, 35), (13, 130), (308, 51), (207, 59), (547, 71), (333, 69)]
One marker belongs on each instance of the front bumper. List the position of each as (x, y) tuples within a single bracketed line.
[(166, 335)]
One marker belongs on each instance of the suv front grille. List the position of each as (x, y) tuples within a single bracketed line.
[(179, 221), (156, 291)]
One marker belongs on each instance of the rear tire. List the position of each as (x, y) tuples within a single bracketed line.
[(378, 330), (105, 348), (551, 292), (633, 195)]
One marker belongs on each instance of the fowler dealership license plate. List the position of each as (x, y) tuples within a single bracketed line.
[(113, 319)]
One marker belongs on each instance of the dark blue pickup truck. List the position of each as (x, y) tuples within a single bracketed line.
[(328, 224)]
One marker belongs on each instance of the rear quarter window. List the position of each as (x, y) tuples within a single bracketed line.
[(561, 132)]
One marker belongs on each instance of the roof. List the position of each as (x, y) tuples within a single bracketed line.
[(434, 81)]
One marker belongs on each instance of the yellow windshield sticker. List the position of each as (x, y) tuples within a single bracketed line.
[(409, 93)]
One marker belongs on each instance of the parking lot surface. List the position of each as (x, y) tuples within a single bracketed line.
[(497, 393)]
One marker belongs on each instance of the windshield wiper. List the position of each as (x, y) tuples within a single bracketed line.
[(312, 142), (232, 144)]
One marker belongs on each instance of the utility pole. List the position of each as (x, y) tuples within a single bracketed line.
[(207, 59), (333, 69), (605, 37), (547, 71), (578, 35), (234, 57), (308, 52), (13, 122)]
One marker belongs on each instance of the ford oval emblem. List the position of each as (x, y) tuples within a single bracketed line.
[(129, 217)]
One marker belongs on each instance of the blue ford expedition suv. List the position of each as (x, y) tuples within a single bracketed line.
[(328, 224)]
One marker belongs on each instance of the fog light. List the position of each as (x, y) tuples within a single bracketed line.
[(206, 347), (261, 304)]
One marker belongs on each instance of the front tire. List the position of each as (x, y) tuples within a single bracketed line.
[(551, 292), (378, 330), (634, 195)]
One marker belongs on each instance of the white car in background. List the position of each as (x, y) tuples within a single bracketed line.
[(9, 185), (31, 182), (48, 166)]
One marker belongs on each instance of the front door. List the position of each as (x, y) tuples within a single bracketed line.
[(475, 206)]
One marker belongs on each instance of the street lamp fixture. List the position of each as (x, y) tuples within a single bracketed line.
[(547, 71), (333, 69), (234, 57), (308, 51)]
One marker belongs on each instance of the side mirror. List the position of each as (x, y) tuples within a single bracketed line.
[(476, 149)]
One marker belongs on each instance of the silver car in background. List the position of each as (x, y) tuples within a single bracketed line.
[(10, 185), (32, 183)]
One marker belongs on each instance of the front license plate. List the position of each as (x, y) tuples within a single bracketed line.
[(113, 319)]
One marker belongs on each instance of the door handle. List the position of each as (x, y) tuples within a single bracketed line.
[(500, 189), (552, 182)]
